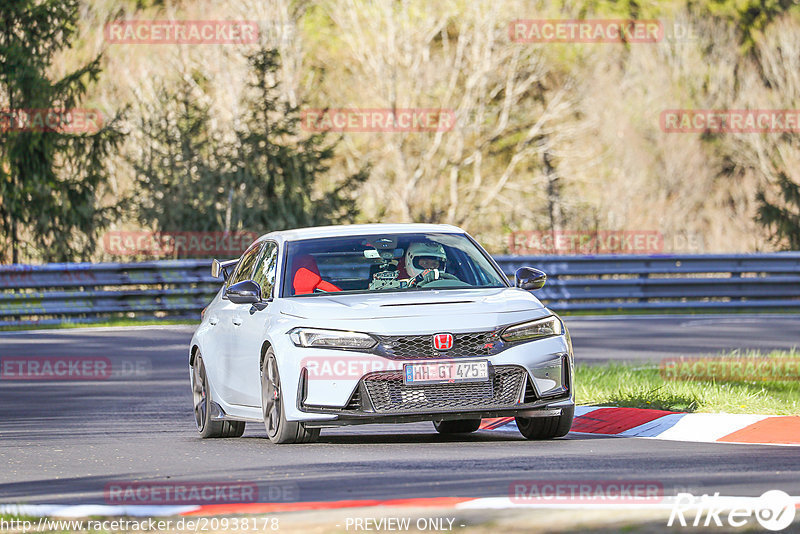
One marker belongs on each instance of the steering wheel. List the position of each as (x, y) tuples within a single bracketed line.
[(430, 275)]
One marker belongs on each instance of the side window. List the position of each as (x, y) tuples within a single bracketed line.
[(245, 266), (266, 268)]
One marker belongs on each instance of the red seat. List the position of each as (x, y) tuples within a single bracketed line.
[(306, 277)]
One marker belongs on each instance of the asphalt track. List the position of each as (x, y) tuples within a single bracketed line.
[(64, 442)]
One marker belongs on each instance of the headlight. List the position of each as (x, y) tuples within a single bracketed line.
[(547, 327), (331, 339)]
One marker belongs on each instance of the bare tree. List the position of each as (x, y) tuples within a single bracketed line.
[(511, 106)]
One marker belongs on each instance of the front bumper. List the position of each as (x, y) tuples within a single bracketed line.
[(529, 380)]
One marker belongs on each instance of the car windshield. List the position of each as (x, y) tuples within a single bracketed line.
[(386, 262)]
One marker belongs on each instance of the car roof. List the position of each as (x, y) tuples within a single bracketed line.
[(359, 229)]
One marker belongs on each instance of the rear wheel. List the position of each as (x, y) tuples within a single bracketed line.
[(458, 426), (546, 427), (279, 430), (201, 397)]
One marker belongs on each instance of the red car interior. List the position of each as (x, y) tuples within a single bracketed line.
[(306, 277)]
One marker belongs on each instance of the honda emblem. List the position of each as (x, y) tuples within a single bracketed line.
[(443, 341)]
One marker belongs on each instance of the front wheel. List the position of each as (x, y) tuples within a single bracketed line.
[(458, 426), (546, 427), (201, 396), (279, 430)]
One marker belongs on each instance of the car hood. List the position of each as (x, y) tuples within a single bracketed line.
[(422, 304)]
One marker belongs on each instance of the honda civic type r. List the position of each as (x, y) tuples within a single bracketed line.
[(377, 323)]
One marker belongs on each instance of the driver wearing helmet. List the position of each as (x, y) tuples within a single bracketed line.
[(425, 262)]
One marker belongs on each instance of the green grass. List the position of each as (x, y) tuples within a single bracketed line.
[(642, 386), (109, 322)]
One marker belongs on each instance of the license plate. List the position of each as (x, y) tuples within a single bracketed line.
[(446, 372)]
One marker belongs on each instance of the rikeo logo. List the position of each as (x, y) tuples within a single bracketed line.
[(774, 510)]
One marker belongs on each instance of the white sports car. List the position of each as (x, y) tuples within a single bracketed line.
[(379, 323)]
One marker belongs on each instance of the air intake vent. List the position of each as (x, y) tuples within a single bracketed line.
[(530, 394), (355, 401)]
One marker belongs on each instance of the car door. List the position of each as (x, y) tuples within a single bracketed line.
[(230, 384), (250, 322)]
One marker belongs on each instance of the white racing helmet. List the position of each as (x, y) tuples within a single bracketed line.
[(418, 251)]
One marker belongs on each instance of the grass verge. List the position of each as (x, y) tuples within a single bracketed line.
[(639, 385)]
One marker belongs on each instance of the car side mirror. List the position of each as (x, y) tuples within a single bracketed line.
[(244, 292), (221, 268), (529, 278)]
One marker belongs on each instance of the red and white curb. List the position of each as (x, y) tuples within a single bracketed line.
[(676, 426), (453, 503)]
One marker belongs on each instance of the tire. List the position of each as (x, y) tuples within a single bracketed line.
[(279, 430), (201, 395), (458, 426), (546, 427)]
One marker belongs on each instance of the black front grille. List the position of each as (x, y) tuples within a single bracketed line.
[(390, 395), (419, 347)]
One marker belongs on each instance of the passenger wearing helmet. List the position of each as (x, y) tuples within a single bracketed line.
[(426, 262)]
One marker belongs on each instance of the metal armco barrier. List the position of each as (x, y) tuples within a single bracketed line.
[(85, 292), (89, 292), (659, 282)]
